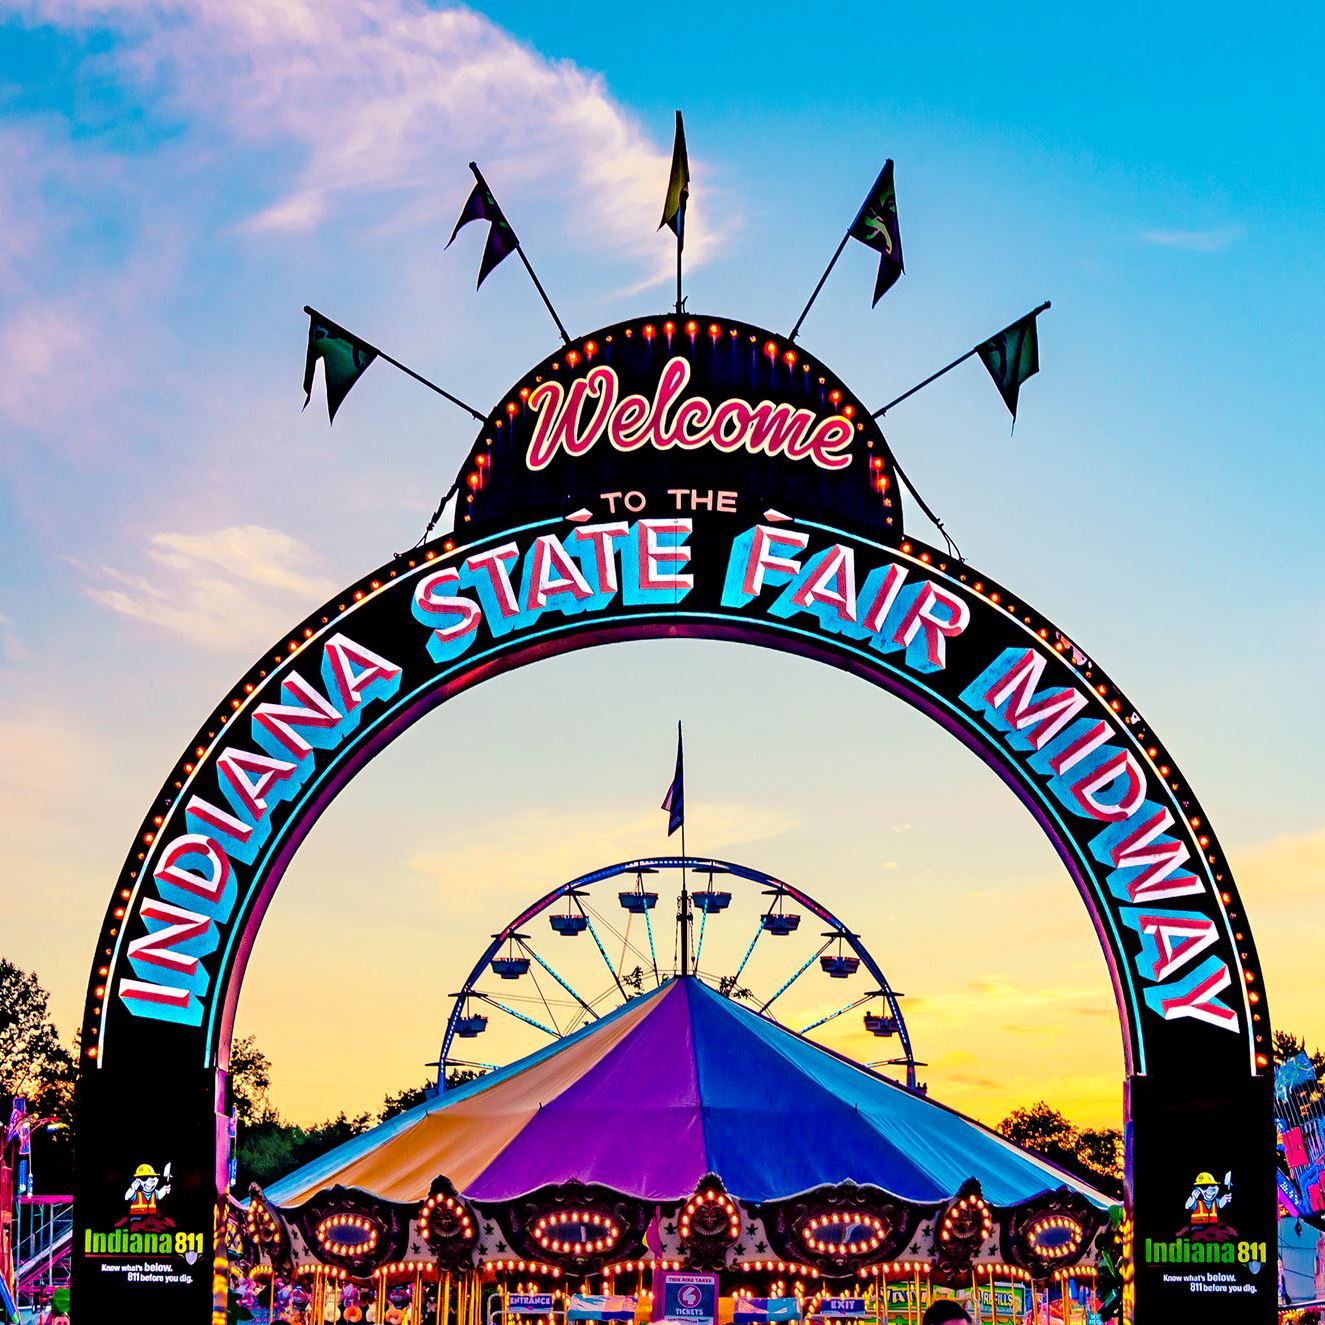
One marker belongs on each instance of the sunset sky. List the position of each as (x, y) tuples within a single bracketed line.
[(177, 180)]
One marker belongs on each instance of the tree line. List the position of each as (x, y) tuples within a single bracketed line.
[(37, 1066), (268, 1147)]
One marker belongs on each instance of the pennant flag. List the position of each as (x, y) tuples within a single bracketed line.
[(678, 186), (344, 357), (482, 206), (1011, 357), (17, 1118), (675, 800), (876, 227)]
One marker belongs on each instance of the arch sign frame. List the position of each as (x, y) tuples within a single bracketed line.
[(668, 478)]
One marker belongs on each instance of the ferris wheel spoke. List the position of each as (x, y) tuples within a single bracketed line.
[(602, 950), (518, 1015), (703, 925), (832, 1016), (653, 951), (528, 949), (547, 1007), (626, 944), (467, 1063), (749, 952), (796, 975)]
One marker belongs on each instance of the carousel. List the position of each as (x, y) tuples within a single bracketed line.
[(672, 1130)]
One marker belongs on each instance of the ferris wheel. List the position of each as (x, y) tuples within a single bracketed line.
[(599, 940)]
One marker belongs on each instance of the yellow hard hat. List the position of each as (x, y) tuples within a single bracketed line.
[(1206, 1180), (147, 1171)]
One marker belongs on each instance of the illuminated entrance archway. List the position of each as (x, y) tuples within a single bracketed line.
[(657, 480)]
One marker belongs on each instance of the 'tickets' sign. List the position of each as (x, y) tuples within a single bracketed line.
[(682, 1298)]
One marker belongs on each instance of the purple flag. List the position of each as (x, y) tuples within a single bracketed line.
[(17, 1118), (482, 206), (675, 800)]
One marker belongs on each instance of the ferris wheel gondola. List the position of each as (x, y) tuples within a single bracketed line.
[(557, 994)]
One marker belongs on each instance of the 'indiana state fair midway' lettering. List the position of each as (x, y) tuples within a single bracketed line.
[(194, 873), (1064, 740)]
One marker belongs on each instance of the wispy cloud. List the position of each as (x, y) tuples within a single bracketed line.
[(211, 588), (385, 102), (1194, 241), (552, 845), (995, 999), (73, 324), (12, 647)]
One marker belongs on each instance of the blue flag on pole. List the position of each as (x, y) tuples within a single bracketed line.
[(675, 800), (18, 1128)]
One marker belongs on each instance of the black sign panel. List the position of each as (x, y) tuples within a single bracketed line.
[(147, 1193), (1203, 1201), (679, 414)]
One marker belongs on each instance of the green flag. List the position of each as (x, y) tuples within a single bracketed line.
[(876, 227), (678, 186), (344, 360), (482, 205), (1011, 357)]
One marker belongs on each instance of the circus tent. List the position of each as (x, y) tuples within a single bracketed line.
[(682, 1133), (676, 1084)]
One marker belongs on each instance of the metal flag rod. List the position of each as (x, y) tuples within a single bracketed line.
[(598, 943), (680, 301), (538, 285), (953, 549), (961, 358), (832, 262), (404, 368), (519, 1016), (519, 248), (529, 951), (684, 915), (791, 980)]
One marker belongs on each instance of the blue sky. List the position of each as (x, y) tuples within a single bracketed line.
[(176, 181)]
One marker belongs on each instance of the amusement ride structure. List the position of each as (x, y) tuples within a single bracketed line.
[(642, 934)]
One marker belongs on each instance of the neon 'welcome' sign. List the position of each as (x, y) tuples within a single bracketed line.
[(594, 407)]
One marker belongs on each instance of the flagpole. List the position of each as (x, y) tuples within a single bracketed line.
[(832, 262), (685, 892), (538, 285), (680, 244), (404, 368), (685, 906), (904, 477), (519, 248), (962, 358), (680, 180)]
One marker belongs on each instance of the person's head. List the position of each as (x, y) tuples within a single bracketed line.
[(946, 1312)]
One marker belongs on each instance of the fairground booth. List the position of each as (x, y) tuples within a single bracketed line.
[(681, 1145)]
